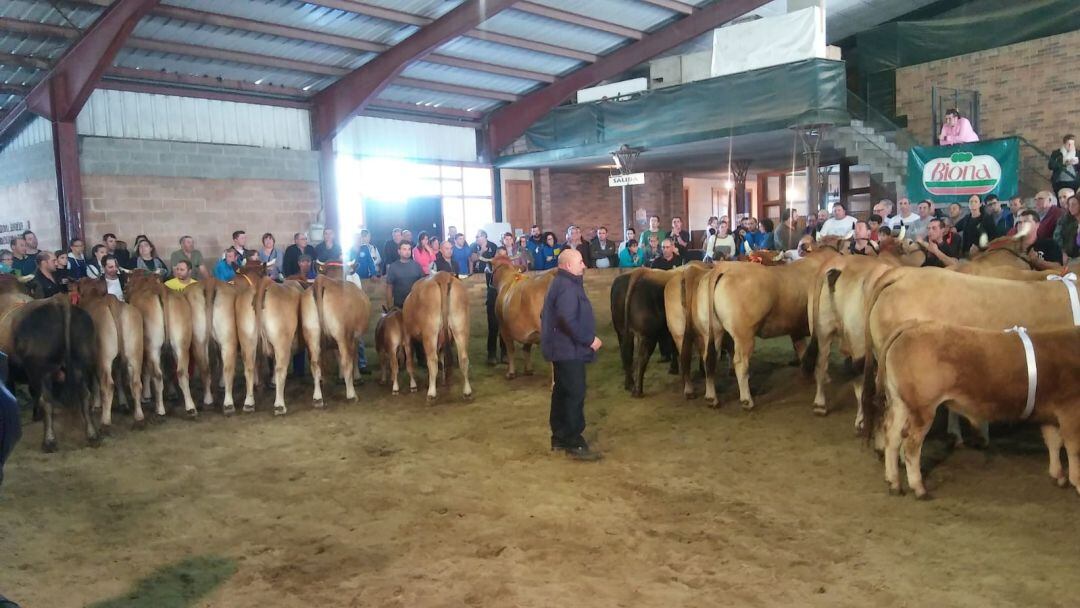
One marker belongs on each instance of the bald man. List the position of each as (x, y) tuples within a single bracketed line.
[(568, 340)]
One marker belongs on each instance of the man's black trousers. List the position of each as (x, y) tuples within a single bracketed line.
[(568, 402), (493, 326)]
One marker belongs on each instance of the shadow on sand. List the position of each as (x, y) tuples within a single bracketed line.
[(177, 585)]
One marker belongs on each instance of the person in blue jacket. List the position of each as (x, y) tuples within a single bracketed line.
[(631, 256), (462, 254), (225, 270), (568, 340), (361, 254), (547, 256)]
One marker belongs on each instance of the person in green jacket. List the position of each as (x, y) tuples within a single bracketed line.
[(654, 228), (630, 256)]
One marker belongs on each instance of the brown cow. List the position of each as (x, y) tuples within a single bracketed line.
[(267, 315), (390, 343), (436, 313), (640, 320), (213, 321), (166, 319), (680, 301), (926, 294), (517, 307), (946, 364), (749, 300), (343, 310), (119, 328)]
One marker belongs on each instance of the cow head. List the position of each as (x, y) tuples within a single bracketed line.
[(10, 283), (502, 269), (90, 288), (335, 270), (254, 268)]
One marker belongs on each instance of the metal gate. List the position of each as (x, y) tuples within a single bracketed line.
[(944, 99)]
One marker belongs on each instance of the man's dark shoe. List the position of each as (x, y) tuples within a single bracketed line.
[(665, 359), (491, 362), (364, 371), (583, 453)]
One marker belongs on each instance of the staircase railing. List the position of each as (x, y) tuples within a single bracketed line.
[(861, 110), (1034, 172)]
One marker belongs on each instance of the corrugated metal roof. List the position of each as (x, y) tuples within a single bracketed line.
[(173, 30), (472, 78), (19, 44), (81, 16), (153, 61), (635, 15), (422, 97), (501, 54), (433, 9), (20, 76), (307, 16), (550, 31)]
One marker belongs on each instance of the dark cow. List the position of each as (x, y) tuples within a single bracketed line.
[(56, 347), (637, 312)]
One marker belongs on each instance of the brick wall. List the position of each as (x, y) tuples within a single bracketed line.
[(28, 192), (169, 189), (585, 199), (1027, 89)]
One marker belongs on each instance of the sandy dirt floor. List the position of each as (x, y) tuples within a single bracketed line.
[(393, 502)]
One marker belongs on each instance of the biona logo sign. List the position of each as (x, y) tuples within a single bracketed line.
[(962, 173)]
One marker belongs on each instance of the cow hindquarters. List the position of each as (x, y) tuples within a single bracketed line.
[(312, 332)]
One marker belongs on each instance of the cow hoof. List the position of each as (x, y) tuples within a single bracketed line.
[(228, 410), (319, 404), (105, 430), (249, 408), (637, 394), (279, 410), (468, 397), (510, 375), (158, 418), (712, 402), (747, 405), (820, 410), (924, 496), (431, 399), (139, 425), (412, 389), (1061, 482), (49, 447), (896, 491), (395, 392), (689, 396), (94, 441), (192, 414)]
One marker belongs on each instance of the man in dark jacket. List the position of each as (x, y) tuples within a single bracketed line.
[(568, 340), (290, 261)]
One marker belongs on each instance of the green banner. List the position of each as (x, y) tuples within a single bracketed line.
[(951, 174)]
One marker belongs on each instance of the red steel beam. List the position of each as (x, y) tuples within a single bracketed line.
[(350, 95), (672, 5), (179, 91), (576, 19), (509, 122), (66, 88), (68, 180)]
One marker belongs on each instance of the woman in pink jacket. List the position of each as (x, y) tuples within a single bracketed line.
[(956, 130), (424, 254)]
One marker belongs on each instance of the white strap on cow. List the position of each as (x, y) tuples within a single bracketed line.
[(1033, 373), (1069, 280)]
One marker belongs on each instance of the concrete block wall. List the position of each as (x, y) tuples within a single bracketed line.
[(28, 192), (585, 199), (1027, 89), (168, 189)]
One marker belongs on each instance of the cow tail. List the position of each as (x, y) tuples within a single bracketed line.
[(870, 365), (164, 309), (114, 310), (634, 276), (809, 360), (874, 409), (319, 292), (445, 312), (71, 386), (712, 310)]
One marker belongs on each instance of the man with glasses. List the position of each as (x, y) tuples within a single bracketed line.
[(1049, 214)]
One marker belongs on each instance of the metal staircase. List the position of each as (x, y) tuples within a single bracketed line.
[(873, 140)]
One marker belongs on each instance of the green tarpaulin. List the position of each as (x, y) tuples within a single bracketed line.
[(973, 27), (951, 174), (806, 92)]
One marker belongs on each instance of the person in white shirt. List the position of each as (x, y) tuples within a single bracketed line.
[(840, 224), (904, 216), (111, 274), (917, 229)]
